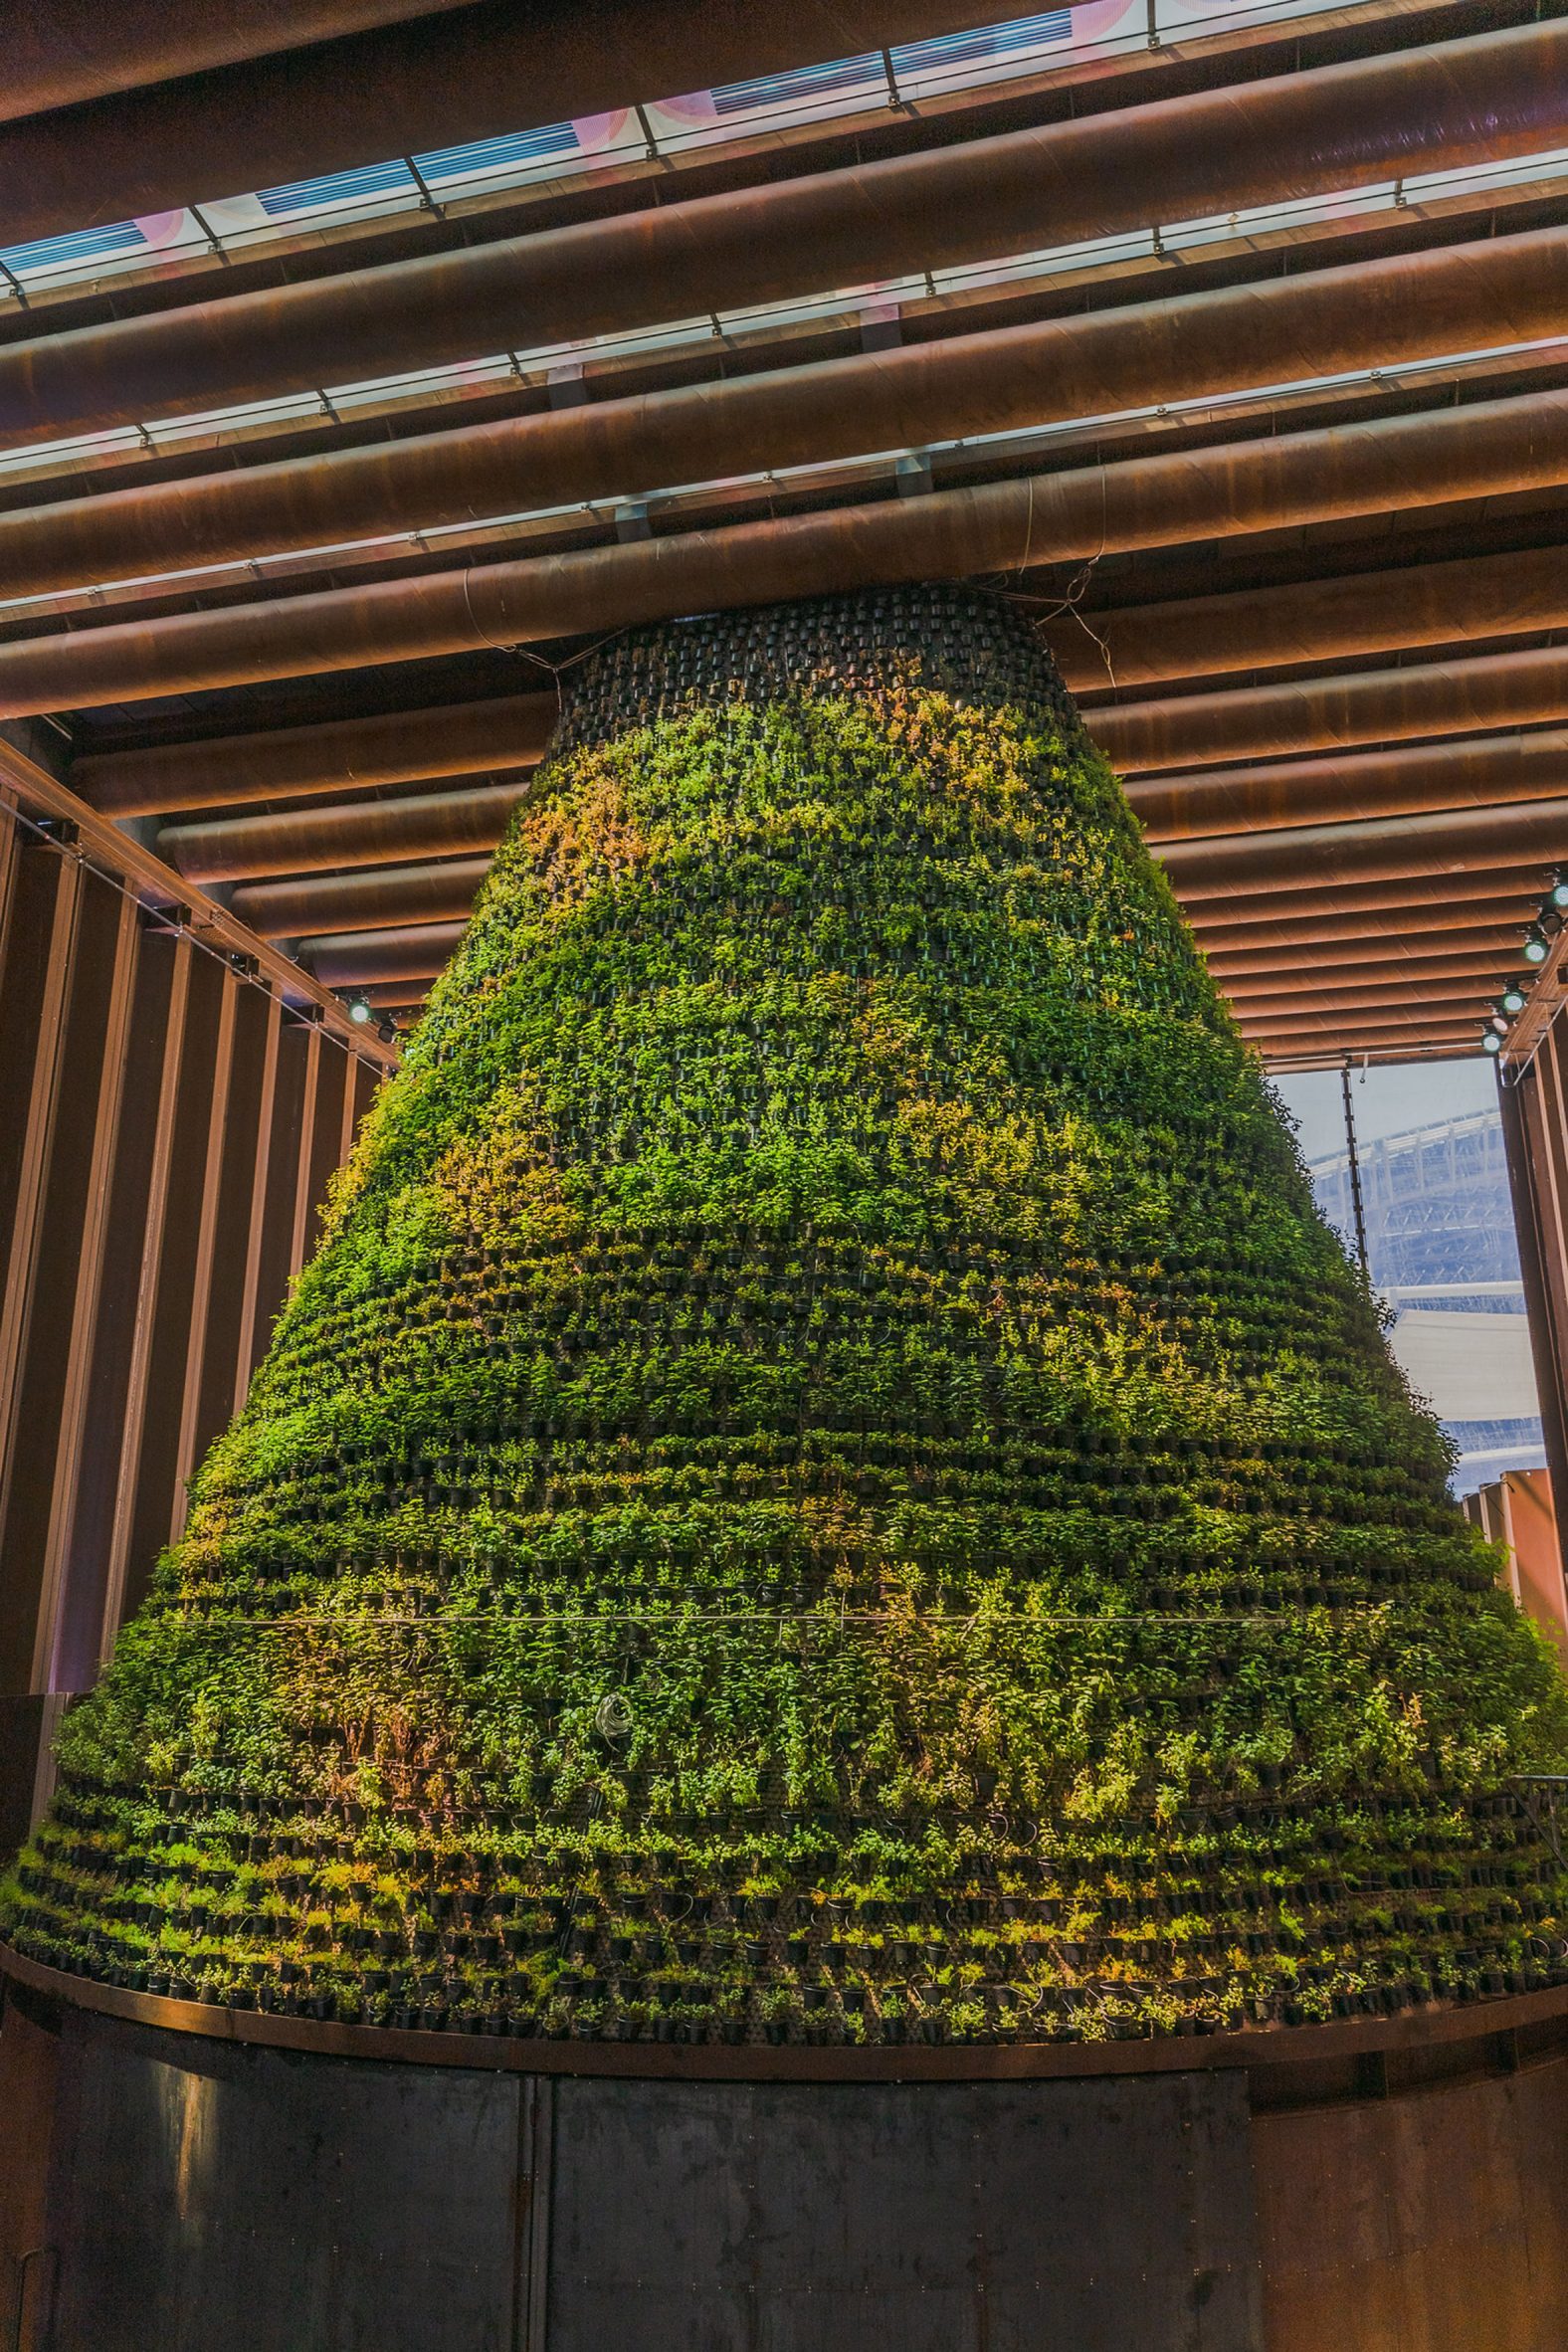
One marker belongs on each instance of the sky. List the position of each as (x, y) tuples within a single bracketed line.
[(1388, 1101)]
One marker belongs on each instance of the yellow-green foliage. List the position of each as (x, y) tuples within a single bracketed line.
[(827, 1479)]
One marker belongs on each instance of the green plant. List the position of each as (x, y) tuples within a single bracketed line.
[(826, 1480)]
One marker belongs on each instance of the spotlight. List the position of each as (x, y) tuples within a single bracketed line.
[(1513, 999), (1557, 896), (1490, 1042), (1498, 1022), (1536, 946), (386, 1031), (359, 1009)]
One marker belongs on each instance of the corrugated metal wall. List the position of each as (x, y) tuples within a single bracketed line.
[(167, 1130)]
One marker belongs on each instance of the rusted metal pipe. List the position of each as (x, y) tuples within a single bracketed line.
[(75, 49), (1332, 854), (359, 833), (377, 901), (1401, 308), (1473, 772), (1495, 945), (949, 534), (1409, 897), (294, 763), (488, 71), (1505, 908), (1348, 992), (347, 959), (1280, 139), (1314, 620), (1352, 1025), (1316, 713)]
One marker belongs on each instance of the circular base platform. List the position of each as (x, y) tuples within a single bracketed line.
[(226, 2180)]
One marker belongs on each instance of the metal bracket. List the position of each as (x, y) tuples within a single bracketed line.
[(1532, 1783)]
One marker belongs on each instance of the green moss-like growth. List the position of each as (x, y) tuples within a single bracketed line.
[(826, 1481)]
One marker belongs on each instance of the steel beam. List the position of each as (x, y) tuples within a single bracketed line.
[(1332, 853), (1455, 603), (1496, 947), (375, 902), (339, 755), (1472, 772), (1334, 712), (359, 833), (482, 72), (347, 959), (1377, 313), (949, 534)]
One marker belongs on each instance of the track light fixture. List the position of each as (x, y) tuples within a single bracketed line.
[(1490, 1042), (1557, 896), (1513, 999), (1538, 947), (359, 1009)]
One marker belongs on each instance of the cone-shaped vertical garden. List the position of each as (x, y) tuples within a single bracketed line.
[(826, 1481)]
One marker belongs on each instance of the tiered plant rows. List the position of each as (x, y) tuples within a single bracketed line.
[(827, 1481)]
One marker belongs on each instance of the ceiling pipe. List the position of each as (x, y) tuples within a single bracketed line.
[(1332, 854), (1353, 1030), (361, 833), (1323, 714), (1347, 992), (1304, 621), (1326, 1046), (947, 534), (1373, 931), (488, 71), (75, 49), (337, 755), (349, 959), (375, 902), (1497, 945), (1473, 772), (1415, 900), (1290, 137), (1401, 308)]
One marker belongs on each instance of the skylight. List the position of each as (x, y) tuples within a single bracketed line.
[(668, 130)]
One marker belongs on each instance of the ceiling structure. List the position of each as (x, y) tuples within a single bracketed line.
[(1228, 339)]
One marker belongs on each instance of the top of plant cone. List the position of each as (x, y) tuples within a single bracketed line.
[(826, 1480)]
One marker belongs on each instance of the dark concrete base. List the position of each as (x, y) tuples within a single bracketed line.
[(195, 2195)]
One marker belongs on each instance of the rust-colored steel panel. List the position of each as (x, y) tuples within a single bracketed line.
[(340, 755), (1472, 772), (220, 1319), (124, 1242), (207, 1205), (261, 1153), (1543, 1265), (375, 902), (1280, 139), (1323, 713), (346, 959), (1400, 308), (278, 1202), (1325, 1049), (1451, 2240), (947, 534), (123, 1574), (362, 833), (34, 1002), (72, 1267), (1431, 844), (483, 72)]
